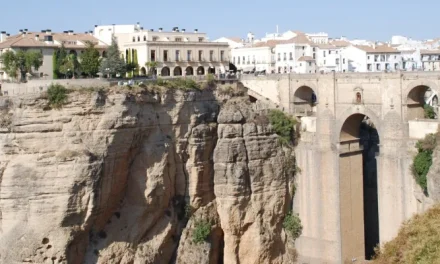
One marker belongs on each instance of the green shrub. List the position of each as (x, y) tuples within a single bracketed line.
[(429, 111), (202, 229), (179, 84), (57, 95), (292, 224), (283, 126), (423, 160)]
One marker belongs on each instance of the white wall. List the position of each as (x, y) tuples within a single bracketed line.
[(355, 59), (381, 60), (262, 55)]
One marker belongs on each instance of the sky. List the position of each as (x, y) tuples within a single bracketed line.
[(366, 19)]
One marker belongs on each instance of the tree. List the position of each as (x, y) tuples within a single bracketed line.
[(114, 64), (151, 65), (70, 65), (90, 60), (130, 66), (21, 62), (54, 64), (135, 63), (61, 57)]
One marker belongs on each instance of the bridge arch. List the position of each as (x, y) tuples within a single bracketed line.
[(358, 187), (304, 100), (415, 97), (359, 110)]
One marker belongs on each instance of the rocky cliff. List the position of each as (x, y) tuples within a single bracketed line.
[(116, 177)]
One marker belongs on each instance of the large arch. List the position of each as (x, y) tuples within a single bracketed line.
[(165, 71), (200, 70), (189, 71), (177, 71), (358, 187), (304, 100), (415, 101)]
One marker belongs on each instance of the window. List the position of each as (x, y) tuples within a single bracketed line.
[(248, 59), (233, 60), (188, 55), (211, 55), (244, 60), (279, 56), (285, 56), (222, 55), (177, 55), (336, 52), (368, 57), (200, 39), (178, 39), (324, 62), (324, 53), (145, 38), (337, 61), (329, 52), (155, 38), (238, 62), (396, 66), (290, 56), (314, 49), (369, 68), (153, 55), (304, 48), (139, 38), (378, 66), (310, 64), (165, 55), (134, 39), (343, 61), (314, 56), (201, 56)]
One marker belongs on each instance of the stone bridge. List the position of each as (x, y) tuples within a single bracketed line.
[(357, 142)]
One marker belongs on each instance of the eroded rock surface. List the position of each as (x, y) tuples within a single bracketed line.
[(109, 178)]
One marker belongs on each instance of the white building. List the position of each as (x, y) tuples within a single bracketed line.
[(371, 58), (258, 57), (234, 42), (430, 60), (289, 51), (328, 58), (306, 64), (177, 52), (318, 38)]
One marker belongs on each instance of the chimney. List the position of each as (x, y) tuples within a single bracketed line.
[(37, 37), (43, 31), (183, 30), (48, 32), (152, 30), (66, 31), (2, 36), (160, 29), (196, 30), (142, 28), (96, 26), (48, 39), (25, 30), (70, 32)]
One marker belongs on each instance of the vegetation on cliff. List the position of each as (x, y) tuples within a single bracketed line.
[(423, 160), (57, 95), (418, 241), (202, 229), (283, 126), (292, 224)]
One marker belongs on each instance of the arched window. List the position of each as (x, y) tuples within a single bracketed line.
[(358, 98)]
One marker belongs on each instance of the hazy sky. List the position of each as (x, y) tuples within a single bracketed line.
[(366, 19)]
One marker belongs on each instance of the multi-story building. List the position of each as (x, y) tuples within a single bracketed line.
[(177, 52), (328, 58), (289, 51), (258, 57), (47, 42), (360, 58), (430, 60)]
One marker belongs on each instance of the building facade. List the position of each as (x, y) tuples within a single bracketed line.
[(430, 60), (175, 53), (47, 42)]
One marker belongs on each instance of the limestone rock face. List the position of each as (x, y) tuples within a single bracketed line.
[(122, 178), (433, 177)]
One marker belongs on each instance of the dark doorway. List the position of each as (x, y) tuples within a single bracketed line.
[(359, 147), (369, 140)]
